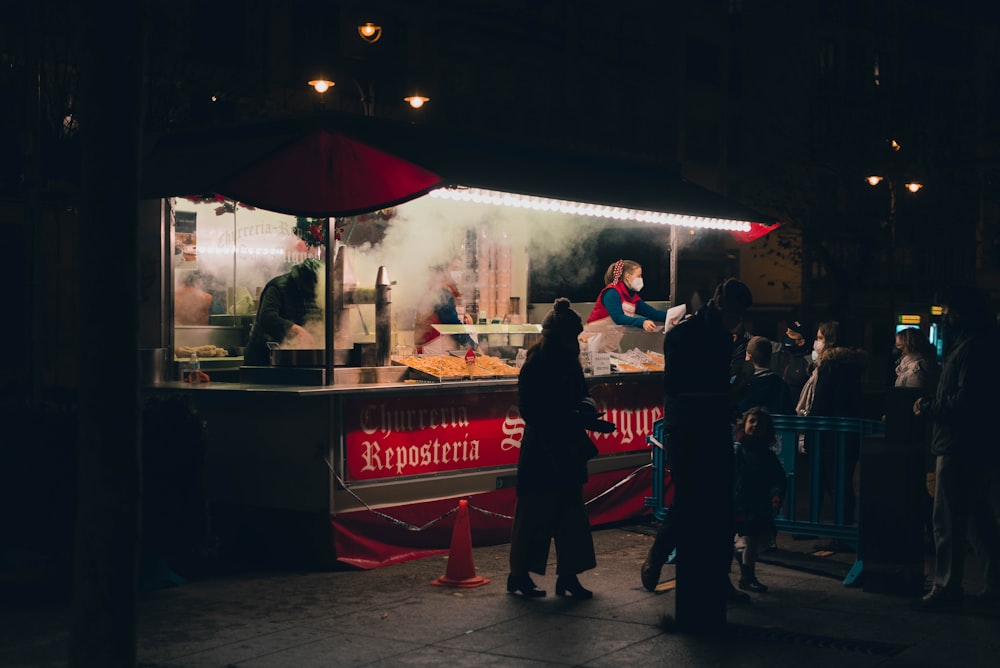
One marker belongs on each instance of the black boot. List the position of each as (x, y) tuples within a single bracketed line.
[(748, 580), (568, 584), (650, 572), (733, 595), (523, 584)]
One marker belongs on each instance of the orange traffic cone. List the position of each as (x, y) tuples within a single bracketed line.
[(461, 572)]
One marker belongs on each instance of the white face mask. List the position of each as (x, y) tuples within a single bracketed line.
[(636, 284), (817, 346)]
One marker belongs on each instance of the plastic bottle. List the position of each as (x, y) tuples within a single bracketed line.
[(194, 374)]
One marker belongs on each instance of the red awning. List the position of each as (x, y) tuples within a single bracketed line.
[(344, 165), (757, 230)]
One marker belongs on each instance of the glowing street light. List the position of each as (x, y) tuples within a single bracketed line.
[(912, 186), (416, 100), (370, 32), (322, 85)]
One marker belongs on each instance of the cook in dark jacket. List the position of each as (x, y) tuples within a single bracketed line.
[(552, 466), (967, 471), (287, 302)]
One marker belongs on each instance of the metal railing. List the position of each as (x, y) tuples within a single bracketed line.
[(658, 501), (802, 513)]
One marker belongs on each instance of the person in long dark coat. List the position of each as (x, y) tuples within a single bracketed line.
[(552, 466), (838, 393), (967, 469), (699, 408)]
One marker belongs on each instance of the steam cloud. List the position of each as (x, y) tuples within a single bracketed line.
[(425, 233)]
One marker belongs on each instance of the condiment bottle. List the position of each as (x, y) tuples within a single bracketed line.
[(470, 361)]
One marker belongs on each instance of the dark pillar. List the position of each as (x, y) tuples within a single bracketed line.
[(703, 476), (894, 502), (112, 70)]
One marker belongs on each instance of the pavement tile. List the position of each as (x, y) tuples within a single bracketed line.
[(668, 649), (434, 657), (560, 638), (341, 649), (435, 617), (225, 653)]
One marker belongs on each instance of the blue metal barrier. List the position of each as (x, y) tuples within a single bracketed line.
[(658, 500), (791, 429)]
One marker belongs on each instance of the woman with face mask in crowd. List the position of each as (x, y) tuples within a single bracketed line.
[(917, 364), (838, 393), (619, 306)]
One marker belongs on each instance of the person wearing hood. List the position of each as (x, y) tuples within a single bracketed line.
[(439, 306), (967, 466), (557, 409), (837, 393), (287, 303), (764, 386), (792, 358), (619, 306)]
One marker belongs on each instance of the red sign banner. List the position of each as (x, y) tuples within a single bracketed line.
[(399, 436)]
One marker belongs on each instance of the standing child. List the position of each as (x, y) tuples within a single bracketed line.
[(758, 491)]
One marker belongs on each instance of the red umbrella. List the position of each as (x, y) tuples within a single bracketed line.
[(326, 174), (319, 167)]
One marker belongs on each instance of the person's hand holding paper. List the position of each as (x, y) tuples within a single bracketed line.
[(675, 314)]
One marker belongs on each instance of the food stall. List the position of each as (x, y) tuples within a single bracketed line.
[(367, 460)]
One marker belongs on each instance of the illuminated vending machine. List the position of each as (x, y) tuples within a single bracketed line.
[(935, 332)]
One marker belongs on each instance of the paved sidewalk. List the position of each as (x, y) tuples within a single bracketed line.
[(392, 616)]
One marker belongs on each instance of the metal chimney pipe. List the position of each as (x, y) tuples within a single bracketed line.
[(383, 317)]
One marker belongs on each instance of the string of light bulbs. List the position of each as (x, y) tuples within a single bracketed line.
[(497, 198)]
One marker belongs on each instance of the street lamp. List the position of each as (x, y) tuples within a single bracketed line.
[(370, 32), (322, 85), (367, 97), (416, 100), (912, 186)]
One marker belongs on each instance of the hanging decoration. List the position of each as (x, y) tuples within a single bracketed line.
[(225, 205), (365, 227), (312, 231)]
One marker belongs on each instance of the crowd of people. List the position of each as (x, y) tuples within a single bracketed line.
[(721, 387)]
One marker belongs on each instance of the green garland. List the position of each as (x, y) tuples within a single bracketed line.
[(311, 230)]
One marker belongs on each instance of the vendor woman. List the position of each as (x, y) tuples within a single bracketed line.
[(619, 306)]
